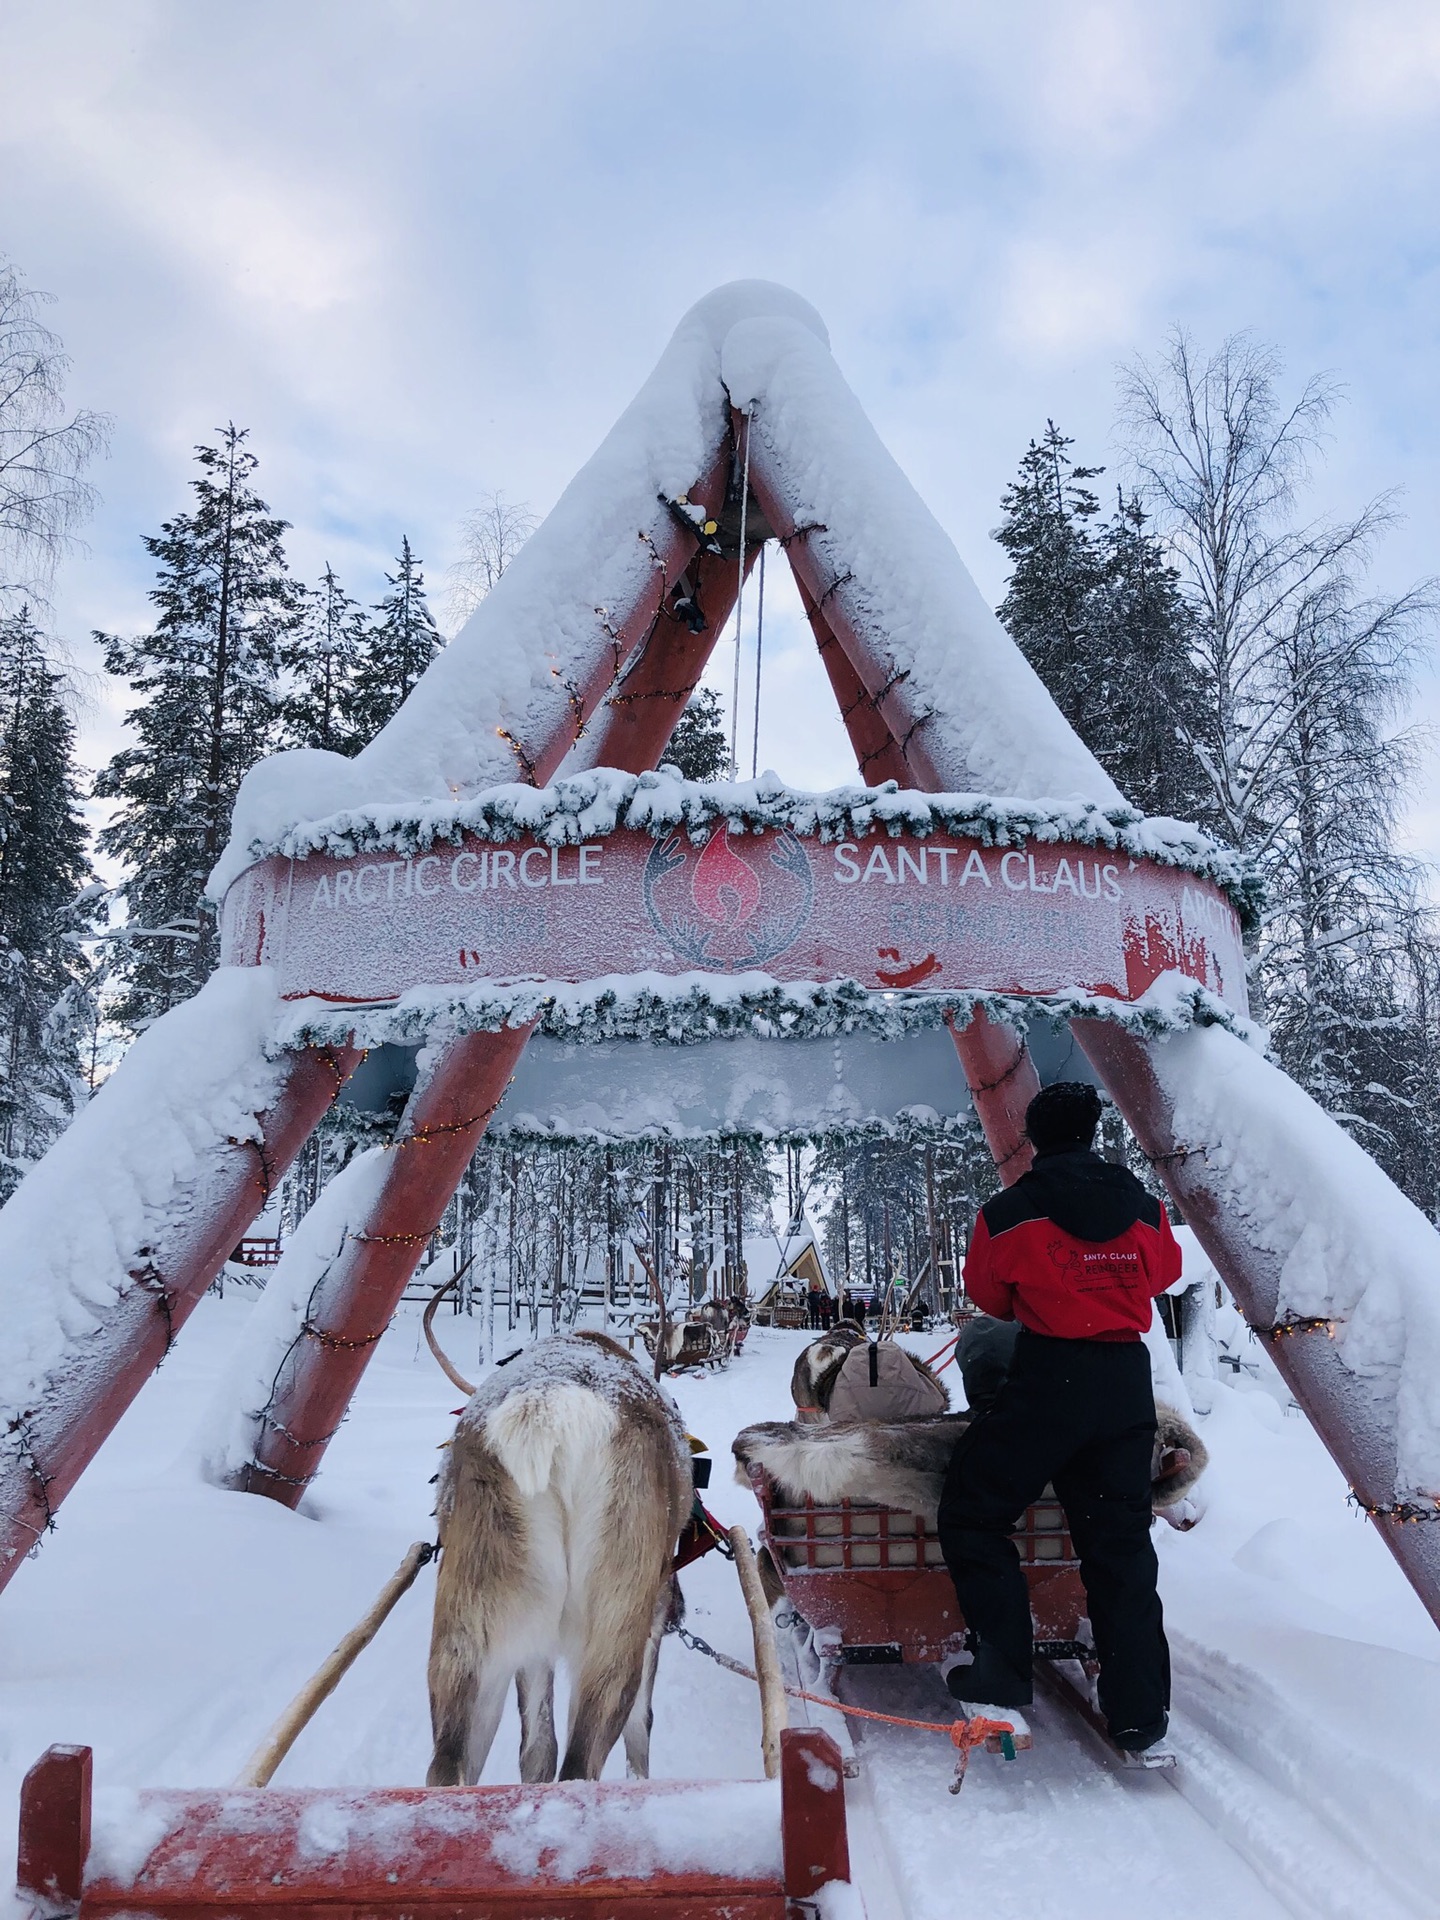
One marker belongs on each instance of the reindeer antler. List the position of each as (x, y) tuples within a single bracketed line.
[(443, 1359)]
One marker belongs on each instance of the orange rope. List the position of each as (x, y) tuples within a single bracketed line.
[(962, 1733)]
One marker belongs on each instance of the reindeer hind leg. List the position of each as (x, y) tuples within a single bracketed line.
[(539, 1750), (641, 1719), (464, 1714)]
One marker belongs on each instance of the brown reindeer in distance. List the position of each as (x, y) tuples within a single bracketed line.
[(564, 1488)]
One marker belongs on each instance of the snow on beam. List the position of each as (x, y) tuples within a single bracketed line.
[(961, 700), (1324, 1256), (108, 1244)]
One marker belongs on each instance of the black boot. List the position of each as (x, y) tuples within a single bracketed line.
[(990, 1681), (1137, 1739)]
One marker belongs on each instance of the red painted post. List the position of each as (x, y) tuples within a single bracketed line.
[(106, 1368), (633, 725), (1359, 1438), (812, 1812), (876, 753), (553, 733), (1002, 1080), (55, 1829), (353, 1304)]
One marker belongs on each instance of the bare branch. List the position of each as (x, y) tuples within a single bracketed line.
[(43, 454), (491, 536)]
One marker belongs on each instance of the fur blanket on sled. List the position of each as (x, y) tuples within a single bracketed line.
[(902, 1463)]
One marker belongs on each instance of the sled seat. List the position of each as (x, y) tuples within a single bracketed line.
[(872, 1580), (578, 1850)]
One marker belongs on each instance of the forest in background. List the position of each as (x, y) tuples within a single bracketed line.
[(1213, 641)]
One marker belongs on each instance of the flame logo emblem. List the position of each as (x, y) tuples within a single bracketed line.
[(724, 887), (724, 908)]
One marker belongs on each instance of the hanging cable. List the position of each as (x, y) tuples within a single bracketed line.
[(759, 647), (739, 602)]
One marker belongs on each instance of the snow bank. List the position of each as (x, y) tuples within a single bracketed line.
[(986, 719), (545, 624), (227, 1438), (131, 1166), (1347, 1245)]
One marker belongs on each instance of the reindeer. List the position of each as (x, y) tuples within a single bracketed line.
[(565, 1486)]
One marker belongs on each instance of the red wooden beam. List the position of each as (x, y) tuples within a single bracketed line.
[(1002, 1080), (107, 1368), (876, 753), (556, 732), (352, 1304), (566, 1851), (633, 725), (640, 689)]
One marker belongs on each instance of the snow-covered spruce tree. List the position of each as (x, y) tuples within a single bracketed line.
[(1096, 609), (1055, 569), (401, 642), (206, 677), (700, 747), (44, 878), (321, 655), (1149, 704)]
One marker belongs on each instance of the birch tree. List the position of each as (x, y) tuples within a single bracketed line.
[(44, 448)]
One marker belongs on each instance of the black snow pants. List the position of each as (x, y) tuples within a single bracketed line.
[(1079, 1415)]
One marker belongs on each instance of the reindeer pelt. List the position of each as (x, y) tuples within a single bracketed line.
[(903, 1463), (818, 1366), (1180, 1458), (563, 1491)]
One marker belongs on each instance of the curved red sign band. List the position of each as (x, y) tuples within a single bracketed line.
[(938, 913)]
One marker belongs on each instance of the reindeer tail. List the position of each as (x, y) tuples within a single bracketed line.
[(552, 1431)]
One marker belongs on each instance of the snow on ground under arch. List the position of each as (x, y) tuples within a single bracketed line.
[(167, 1623)]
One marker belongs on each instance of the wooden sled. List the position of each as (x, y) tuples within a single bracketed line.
[(675, 1850)]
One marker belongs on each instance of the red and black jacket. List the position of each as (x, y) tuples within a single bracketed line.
[(1076, 1249)]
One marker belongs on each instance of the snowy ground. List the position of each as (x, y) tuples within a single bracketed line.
[(166, 1624)]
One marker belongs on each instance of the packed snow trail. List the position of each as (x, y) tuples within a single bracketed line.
[(167, 1623)]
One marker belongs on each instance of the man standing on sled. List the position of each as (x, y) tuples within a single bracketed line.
[(1075, 1251)]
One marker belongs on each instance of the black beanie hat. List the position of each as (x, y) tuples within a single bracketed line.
[(1065, 1115)]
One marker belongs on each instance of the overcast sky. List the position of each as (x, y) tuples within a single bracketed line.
[(428, 249)]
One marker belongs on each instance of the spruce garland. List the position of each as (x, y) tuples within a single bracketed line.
[(588, 805)]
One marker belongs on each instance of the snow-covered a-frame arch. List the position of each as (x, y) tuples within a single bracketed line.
[(478, 869)]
